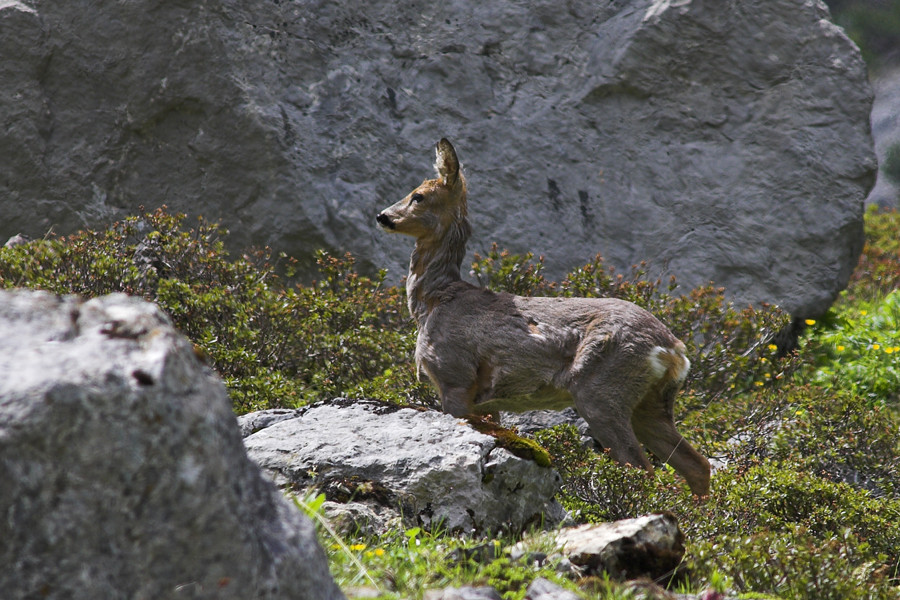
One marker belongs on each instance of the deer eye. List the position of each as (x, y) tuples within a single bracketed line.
[(417, 198)]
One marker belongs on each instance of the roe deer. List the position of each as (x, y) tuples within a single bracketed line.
[(485, 351)]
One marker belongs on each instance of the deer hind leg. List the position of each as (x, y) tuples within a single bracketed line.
[(654, 424), (607, 410)]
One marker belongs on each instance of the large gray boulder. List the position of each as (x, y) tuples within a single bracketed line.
[(724, 141), (427, 467), (122, 473), (652, 545)]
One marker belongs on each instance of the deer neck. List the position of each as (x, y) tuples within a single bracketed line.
[(434, 266)]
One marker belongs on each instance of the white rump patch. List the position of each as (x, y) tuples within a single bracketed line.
[(669, 361), (682, 373), (657, 366)]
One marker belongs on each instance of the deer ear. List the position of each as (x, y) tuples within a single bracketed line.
[(446, 163)]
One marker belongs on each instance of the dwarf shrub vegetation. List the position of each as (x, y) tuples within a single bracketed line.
[(805, 499), (274, 344), (279, 345)]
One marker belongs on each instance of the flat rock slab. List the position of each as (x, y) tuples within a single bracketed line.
[(432, 467)]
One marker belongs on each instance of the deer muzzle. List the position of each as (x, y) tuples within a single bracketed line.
[(385, 221)]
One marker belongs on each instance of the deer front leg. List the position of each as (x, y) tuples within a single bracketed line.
[(461, 394), (458, 401)]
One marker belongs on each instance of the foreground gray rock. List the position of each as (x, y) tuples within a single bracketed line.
[(652, 546), (432, 468), (122, 469), (543, 589), (464, 593), (726, 143), (636, 551)]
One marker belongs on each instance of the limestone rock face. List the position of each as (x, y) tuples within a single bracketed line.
[(724, 141), (431, 467), (123, 473)]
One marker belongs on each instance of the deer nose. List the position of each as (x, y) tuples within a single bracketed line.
[(384, 221)]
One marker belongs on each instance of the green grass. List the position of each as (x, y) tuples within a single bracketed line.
[(805, 501), (406, 562)]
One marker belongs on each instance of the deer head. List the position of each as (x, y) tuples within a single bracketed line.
[(434, 207)]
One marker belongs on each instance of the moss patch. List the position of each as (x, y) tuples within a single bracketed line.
[(511, 441)]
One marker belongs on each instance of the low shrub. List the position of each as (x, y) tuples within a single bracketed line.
[(274, 345), (805, 483), (830, 433), (878, 272), (521, 275), (347, 334), (770, 525), (792, 563), (856, 346), (595, 487)]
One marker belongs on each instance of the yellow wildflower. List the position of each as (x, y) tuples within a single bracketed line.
[(876, 346), (358, 547), (772, 347), (758, 383), (810, 321), (840, 348)]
